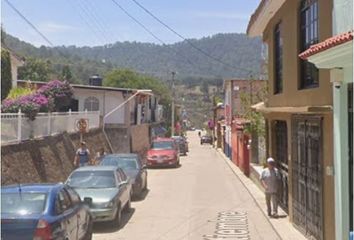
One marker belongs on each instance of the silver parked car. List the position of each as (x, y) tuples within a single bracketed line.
[(132, 166), (106, 189)]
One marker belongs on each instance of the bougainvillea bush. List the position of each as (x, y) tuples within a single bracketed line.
[(30, 105), (60, 91), (50, 97)]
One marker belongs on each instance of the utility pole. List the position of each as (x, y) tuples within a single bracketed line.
[(173, 106)]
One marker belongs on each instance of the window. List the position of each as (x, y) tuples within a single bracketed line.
[(122, 175), (308, 37), (75, 198), (278, 60), (91, 104), (62, 202)]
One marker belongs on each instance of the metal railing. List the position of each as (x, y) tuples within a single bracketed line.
[(16, 127)]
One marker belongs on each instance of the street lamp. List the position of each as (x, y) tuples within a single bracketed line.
[(118, 107)]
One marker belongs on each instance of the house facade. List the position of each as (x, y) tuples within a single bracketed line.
[(239, 95), (336, 54), (143, 108), (298, 111)]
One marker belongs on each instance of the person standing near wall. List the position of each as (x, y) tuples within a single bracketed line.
[(270, 177), (82, 156)]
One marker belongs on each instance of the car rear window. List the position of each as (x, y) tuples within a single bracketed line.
[(23, 203), (126, 163), (162, 145), (92, 179)]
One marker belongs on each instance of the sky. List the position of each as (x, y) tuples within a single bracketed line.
[(99, 22)]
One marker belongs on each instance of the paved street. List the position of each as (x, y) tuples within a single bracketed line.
[(202, 199)]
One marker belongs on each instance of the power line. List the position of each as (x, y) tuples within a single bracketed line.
[(187, 40), (91, 14), (29, 23), (96, 9), (152, 34), (93, 21), (88, 24)]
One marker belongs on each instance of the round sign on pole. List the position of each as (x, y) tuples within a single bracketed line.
[(82, 125)]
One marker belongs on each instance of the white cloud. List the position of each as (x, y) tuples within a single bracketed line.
[(51, 27)]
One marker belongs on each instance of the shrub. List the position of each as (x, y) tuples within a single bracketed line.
[(60, 91), (30, 105), (29, 108), (18, 92), (51, 96)]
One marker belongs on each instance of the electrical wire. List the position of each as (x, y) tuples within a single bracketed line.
[(96, 11), (154, 35), (29, 23), (187, 40)]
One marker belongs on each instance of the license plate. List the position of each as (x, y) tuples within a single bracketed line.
[(160, 161)]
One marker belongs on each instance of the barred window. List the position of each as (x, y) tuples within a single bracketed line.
[(91, 104), (308, 37)]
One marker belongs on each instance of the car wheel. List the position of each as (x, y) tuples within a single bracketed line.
[(118, 219), (145, 186), (128, 205)]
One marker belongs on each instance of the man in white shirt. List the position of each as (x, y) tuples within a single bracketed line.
[(270, 177)]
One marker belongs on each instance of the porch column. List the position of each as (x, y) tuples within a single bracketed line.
[(341, 166)]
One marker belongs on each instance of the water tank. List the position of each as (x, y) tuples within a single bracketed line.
[(95, 80)]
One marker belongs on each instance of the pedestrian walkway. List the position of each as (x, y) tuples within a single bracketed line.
[(282, 224)]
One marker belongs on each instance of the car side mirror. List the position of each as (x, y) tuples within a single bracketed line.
[(88, 201)]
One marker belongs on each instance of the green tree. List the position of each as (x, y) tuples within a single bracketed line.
[(66, 74), (126, 78), (35, 70), (6, 78)]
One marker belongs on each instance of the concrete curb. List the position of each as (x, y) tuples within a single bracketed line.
[(282, 226)]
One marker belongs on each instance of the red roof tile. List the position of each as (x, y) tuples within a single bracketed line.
[(326, 44)]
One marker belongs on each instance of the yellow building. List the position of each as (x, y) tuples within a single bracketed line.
[(298, 111)]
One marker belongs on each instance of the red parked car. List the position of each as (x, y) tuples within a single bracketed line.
[(163, 152)]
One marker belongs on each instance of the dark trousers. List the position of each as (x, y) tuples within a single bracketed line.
[(272, 197)]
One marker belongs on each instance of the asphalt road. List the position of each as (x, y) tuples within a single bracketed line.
[(202, 199)]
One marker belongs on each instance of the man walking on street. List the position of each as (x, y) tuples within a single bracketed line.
[(82, 156), (270, 177)]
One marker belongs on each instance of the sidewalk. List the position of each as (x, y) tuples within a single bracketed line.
[(281, 225)]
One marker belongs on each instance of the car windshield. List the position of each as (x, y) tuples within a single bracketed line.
[(92, 179), (23, 203), (126, 163), (162, 145)]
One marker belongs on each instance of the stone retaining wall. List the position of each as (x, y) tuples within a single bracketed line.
[(49, 159)]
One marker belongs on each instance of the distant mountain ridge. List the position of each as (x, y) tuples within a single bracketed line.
[(236, 50)]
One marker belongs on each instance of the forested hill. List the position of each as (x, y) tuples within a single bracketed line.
[(237, 50)]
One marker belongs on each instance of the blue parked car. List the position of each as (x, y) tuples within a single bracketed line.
[(43, 211)]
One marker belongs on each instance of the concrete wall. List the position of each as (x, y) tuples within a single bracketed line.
[(45, 160), (292, 95), (108, 100), (119, 138), (342, 16), (140, 139)]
